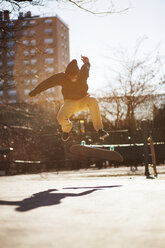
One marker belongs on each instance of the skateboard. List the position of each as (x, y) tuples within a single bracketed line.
[(97, 153)]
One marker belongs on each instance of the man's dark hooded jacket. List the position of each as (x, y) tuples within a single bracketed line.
[(70, 90)]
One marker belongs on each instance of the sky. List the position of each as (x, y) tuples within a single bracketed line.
[(100, 37)]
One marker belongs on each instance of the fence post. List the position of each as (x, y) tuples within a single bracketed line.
[(145, 141)]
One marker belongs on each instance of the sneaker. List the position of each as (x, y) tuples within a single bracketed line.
[(65, 136), (102, 134)]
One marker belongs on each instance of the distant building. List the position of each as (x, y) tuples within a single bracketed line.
[(32, 48)]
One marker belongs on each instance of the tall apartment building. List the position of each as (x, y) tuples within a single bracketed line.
[(32, 48)]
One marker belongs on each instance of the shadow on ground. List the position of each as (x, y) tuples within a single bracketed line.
[(47, 198)]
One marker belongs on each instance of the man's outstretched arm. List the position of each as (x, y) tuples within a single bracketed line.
[(85, 68), (52, 81)]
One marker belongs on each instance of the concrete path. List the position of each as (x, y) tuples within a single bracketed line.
[(83, 209)]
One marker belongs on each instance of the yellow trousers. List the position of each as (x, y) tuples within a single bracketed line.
[(71, 107)]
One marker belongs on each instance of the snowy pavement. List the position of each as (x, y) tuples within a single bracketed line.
[(82, 209)]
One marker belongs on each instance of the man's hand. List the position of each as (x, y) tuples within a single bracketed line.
[(84, 59), (32, 93)]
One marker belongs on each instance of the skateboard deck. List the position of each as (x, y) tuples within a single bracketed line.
[(93, 152)]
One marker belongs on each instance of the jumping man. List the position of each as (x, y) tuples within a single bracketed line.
[(76, 96)]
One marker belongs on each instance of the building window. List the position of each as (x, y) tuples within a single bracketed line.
[(1, 83), (49, 50), (10, 54), (26, 72), (10, 63), (32, 22), (25, 42), (25, 24), (48, 21), (33, 42), (26, 92), (48, 31), (26, 53), (34, 81), (26, 62), (52, 90), (49, 61), (25, 33), (10, 34), (12, 101), (11, 82), (12, 92), (10, 43), (1, 64), (1, 53), (32, 32), (48, 41), (49, 69), (1, 93), (11, 73), (34, 71), (33, 61), (32, 52), (10, 25), (27, 81)]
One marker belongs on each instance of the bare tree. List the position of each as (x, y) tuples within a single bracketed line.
[(93, 6), (136, 83), (112, 109)]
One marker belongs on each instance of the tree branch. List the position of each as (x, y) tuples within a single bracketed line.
[(79, 4)]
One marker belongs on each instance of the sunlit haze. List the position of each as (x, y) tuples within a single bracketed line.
[(98, 37)]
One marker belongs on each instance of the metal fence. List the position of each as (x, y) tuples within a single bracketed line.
[(45, 151)]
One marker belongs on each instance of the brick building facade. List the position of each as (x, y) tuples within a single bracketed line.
[(32, 48)]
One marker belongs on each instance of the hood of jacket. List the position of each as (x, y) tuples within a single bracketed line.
[(72, 68)]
